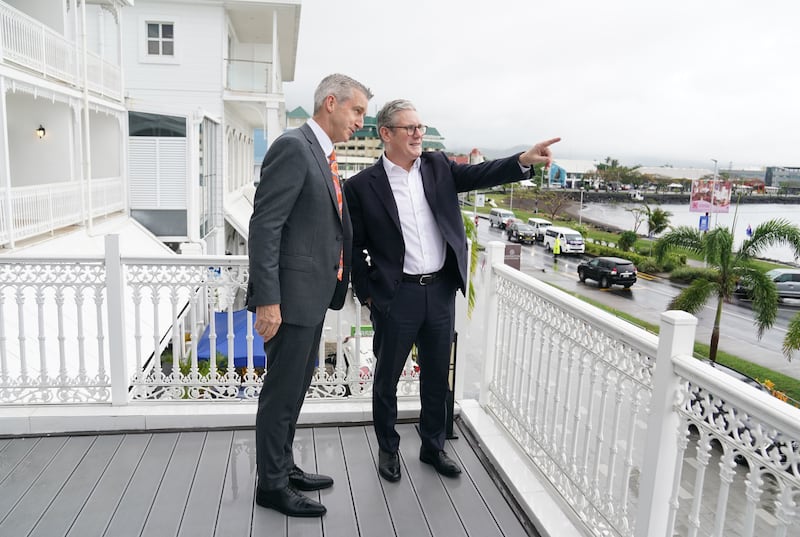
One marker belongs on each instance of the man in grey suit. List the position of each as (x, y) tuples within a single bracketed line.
[(300, 244)]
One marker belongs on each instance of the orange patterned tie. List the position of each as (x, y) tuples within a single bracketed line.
[(338, 187)]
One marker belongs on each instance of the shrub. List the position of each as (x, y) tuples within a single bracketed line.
[(626, 240), (687, 274), (649, 266)]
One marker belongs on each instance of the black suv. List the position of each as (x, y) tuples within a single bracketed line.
[(521, 232), (607, 271)]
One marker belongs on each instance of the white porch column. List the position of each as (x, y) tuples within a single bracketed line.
[(115, 290), (495, 253), (86, 131), (660, 460), (273, 122), (5, 164), (273, 79), (462, 309)]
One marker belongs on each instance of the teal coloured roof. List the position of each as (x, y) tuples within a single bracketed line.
[(432, 131), (428, 144), (299, 113)]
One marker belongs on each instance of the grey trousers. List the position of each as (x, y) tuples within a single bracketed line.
[(291, 359)]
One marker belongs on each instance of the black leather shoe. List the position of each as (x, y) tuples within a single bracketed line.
[(439, 460), (289, 502), (304, 481), (389, 465)]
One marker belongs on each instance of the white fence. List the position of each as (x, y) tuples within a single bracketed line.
[(113, 329), (35, 210), (635, 435), (32, 45)]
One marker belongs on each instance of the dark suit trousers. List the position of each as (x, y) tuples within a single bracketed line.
[(423, 315), (291, 358)]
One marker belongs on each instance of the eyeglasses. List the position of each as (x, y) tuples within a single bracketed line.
[(410, 129)]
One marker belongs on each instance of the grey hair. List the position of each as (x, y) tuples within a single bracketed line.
[(386, 114), (340, 86)]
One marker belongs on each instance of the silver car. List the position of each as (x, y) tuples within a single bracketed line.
[(787, 281)]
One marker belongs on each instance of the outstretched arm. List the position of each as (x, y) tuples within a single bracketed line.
[(539, 154)]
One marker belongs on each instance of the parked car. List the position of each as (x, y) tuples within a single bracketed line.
[(539, 224), (608, 271), (571, 241), (787, 282), (521, 232), (498, 217)]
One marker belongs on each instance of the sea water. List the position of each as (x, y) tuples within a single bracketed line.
[(738, 219)]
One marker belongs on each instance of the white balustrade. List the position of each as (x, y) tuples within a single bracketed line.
[(635, 435), (45, 208), (67, 324), (31, 44)]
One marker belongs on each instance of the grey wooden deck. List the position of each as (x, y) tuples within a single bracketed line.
[(202, 484)]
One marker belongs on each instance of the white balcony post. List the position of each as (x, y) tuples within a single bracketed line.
[(494, 254), (5, 165), (660, 459), (115, 291), (462, 309)]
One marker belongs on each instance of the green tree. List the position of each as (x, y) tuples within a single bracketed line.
[(727, 266), (471, 230), (657, 220), (626, 240)]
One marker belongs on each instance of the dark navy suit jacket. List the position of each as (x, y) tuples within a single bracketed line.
[(377, 234)]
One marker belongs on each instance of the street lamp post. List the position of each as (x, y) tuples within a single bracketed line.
[(714, 192)]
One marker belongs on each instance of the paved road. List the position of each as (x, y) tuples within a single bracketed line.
[(648, 299)]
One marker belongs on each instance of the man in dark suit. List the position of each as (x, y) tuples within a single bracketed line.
[(409, 259), (300, 244)]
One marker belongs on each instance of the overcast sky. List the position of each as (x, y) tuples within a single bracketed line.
[(670, 82)]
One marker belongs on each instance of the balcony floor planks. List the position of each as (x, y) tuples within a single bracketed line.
[(203, 484)]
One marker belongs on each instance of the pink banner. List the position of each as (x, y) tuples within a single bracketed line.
[(709, 196)]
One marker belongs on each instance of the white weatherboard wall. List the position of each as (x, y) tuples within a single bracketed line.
[(191, 80)]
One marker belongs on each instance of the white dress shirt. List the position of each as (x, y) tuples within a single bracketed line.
[(425, 245), (323, 139)]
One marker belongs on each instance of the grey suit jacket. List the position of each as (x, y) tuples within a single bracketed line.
[(296, 233)]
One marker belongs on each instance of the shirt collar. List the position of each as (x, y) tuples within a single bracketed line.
[(390, 166), (322, 137)]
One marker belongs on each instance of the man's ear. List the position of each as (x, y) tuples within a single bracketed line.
[(330, 103)]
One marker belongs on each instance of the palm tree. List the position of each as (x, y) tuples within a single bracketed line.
[(657, 221), (728, 266)]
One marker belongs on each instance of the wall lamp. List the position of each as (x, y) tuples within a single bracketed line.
[(40, 132)]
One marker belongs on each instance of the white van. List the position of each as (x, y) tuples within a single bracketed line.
[(498, 217), (571, 241), (539, 224)]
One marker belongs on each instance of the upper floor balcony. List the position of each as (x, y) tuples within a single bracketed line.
[(33, 47), (33, 211), (595, 426)]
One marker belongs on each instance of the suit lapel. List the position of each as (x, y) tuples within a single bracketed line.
[(380, 184), (322, 161), (428, 183)]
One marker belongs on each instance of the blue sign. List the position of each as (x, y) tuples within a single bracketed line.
[(704, 223)]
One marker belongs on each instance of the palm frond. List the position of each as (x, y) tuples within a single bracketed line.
[(765, 299), (680, 237), (771, 233), (791, 342), (694, 297)]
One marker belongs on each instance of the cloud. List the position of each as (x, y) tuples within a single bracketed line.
[(670, 81)]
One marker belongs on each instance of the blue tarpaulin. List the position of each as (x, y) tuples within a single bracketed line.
[(239, 340)]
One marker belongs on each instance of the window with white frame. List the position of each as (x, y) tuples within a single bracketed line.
[(160, 38)]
